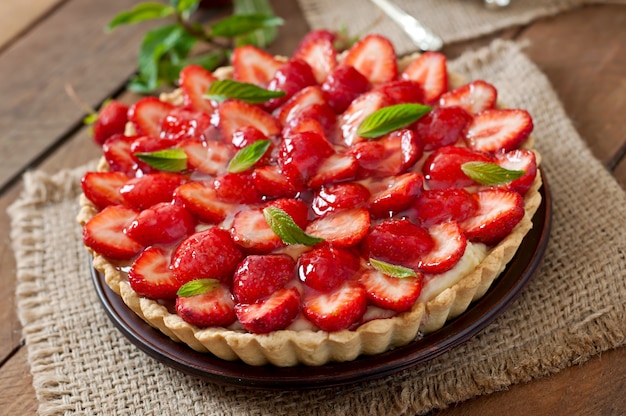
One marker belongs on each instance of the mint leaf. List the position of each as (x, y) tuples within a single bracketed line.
[(140, 13), (388, 119), (222, 90), (197, 287), (261, 37), (243, 24), (392, 270), (284, 227), (486, 173), (248, 156), (185, 7), (168, 160)]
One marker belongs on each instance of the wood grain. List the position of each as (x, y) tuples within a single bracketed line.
[(17, 395), (18, 16)]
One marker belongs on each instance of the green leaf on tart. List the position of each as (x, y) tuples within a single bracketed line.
[(388, 119), (140, 13), (243, 24), (261, 37), (392, 270), (245, 158), (284, 227), (197, 287), (486, 173), (168, 160), (222, 90)]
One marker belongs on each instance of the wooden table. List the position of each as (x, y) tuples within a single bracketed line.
[(46, 44)]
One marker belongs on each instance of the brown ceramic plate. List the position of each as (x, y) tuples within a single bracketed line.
[(180, 357)]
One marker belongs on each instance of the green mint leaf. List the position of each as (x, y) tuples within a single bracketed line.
[(391, 118), (197, 287), (238, 25), (90, 119), (261, 37), (185, 7), (284, 227), (486, 173), (392, 270), (168, 160), (140, 13), (245, 158), (222, 90)]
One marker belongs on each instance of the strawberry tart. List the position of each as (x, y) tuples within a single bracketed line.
[(311, 209)]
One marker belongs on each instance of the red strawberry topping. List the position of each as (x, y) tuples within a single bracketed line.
[(435, 206), (375, 57), (150, 275), (117, 152), (395, 194), (474, 97), (402, 91), (499, 130), (251, 231), (300, 155), (390, 292), (201, 200), (236, 188), (272, 183), (208, 157), (181, 124), (254, 65), (143, 192), (449, 247), (195, 81), (443, 126), (148, 114), (358, 110), (339, 196), (162, 223), (271, 314), (442, 168), (292, 77), (235, 114), (342, 228), (338, 309), (430, 71), (326, 267), (343, 86), (335, 168), (213, 308), (320, 54), (398, 241), (104, 233), (519, 159), (300, 101), (103, 188), (258, 276), (111, 120)]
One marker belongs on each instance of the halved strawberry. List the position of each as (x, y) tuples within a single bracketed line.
[(313, 36), (237, 188), (148, 144), (450, 243), (235, 114), (402, 91), (320, 54), (300, 155), (375, 57), (147, 115), (150, 275), (339, 196), (254, 65), (271, 314), (208, 254), (394, 194), (443, 126), (519, 159), (301, 100), (338, 309), (181, 123), (258, 276), (251, 231), (430, 70), (342, 228), (397, 241), (301, 124), (111, 120), (392, 154), (499, 130), (498, 213), (117, 152), (326, 267), (474, 97), (104, 233), (195, 81), (245, 136), (143, 192), (201, 200), (162, 223), (209, 157), (388, 292), (293, 76), (337, 167), (342, 86), (272, 183), (103, 188), (435, 206), (350, 120), (323, 114), (213, 308), (295, 208), (442, 169)]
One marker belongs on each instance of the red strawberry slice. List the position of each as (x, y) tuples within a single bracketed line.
[(343, 228), (150, 275), (111, 120), (258, 276), (235, 114), (499, 130), (390, 292), (375, 57), (236, 188), (323, 114), (474, 97), (292, 77), (498, 213), (443, 126), (442, 168), (271, 314), (181, 123), (163, 223), (320, 54), (251, 231), (358, 110), (209, 254), (342, 86), (402, 91), (202, 201), (149, 144), (246, 135), (301, 100), (195, 81), (297, 210), (339, 196), (103, 188), (117, 152), (449, 247), (104, 233), (272, 183), (336, 310), (325, 268), (300, 124), (209, 157), (435, 206), (254, 65), (336, 168), (394, 194), (430, 71), (147, 115), (300, 155), (143, 192), (520, 159), (213, 308), (313, 36), (398, 241)]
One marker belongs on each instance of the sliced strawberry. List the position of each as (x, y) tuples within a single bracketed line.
[(313, 36), (350, 120), (272, 183), (402, 91), (301, 100), (300, 124), (343, 86), (143, 192), (336, 310), (147, 115), (213, 308), (430, 71), (499, 130), (117, 152), (162, 223), (254, 65), (148, 144), (300, 155), (181, 124), (474, 97), (394, 194), (443, 126), (251, 231), (320, 54), (297, 210), (195, 81), (339, 196), (103, 188), (324, 115), (150, 275), (293, 76), (271, 314), (337, 167), (104, 233), (202, 201), (390, 292), (442, 168), (236, 188), (375, 57), (326, 267), (397, 241), (258, 276), (209, 254), (498, 213), (235, 114), (435, 206), (343, 228), (111, 120), (392, 154), (520, 159), (450, 243), (209, 157), (245, 136)]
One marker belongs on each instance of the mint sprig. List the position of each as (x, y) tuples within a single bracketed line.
[(286, 229), (245, 158), (388, 119), (392, 270), (168, 160), (486, 173), (222, 90), (197, 287)]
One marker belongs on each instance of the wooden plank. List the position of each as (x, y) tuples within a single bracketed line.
[(17, 395), (18, 16)]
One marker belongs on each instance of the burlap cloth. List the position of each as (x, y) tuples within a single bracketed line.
[(573, 309)]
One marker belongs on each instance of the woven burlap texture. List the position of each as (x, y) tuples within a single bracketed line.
[(452, 20), (573, 309)]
